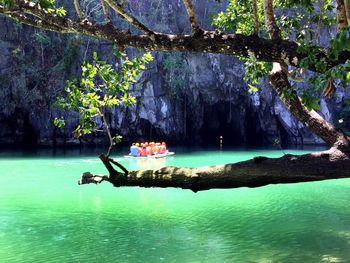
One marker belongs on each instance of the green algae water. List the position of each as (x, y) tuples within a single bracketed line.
[(46, 217)]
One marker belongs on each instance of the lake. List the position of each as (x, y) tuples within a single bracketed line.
[(45, 216)]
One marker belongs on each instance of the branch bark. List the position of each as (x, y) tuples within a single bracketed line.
[(347, 11), (256, 17), (311, 119), (341, 14), (272, 28), (192, 16), (256, 172)]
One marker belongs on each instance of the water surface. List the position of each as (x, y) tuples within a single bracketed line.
[(46, 217)]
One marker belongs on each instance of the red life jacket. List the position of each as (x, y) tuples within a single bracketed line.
[(144, 151), (162, 149)]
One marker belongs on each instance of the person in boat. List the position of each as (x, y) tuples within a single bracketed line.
[(163, 148), (156, 148), (139, 149), (150, 148), (134, 150), (144, 149)]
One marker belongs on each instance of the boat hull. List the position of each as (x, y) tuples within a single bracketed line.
[(155, 156)]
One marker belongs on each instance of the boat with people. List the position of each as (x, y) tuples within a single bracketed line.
[(149, 150)]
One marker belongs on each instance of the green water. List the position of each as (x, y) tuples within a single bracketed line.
[(46, 217)]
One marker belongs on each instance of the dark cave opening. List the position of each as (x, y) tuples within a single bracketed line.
[(253, 132), (30, 137), (222, 119), (146, 133)]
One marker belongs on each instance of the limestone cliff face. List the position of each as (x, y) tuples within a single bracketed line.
[(182, 97)]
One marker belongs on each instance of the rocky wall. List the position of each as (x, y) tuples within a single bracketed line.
[(181, 98)]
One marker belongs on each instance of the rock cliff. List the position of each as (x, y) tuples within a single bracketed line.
[(181, 98)]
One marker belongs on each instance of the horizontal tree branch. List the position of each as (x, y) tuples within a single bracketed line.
[(256, 172), (283, 51)]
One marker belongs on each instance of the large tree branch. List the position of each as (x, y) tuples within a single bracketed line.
[(257, 172), (30, 21), (315, 122), (118, 8), (192, 16), (209, 42)]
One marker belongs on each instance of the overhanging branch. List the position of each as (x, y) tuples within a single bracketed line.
[(35, 22), (209, 42), (257, 172)]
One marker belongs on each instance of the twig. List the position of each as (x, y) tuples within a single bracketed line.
[(78, 9), (118, 8), (105, 10), (192, 16)]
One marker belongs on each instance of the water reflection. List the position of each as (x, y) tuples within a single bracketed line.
[(147, 163)]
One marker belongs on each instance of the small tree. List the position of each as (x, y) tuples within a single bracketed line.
[(102, 86)]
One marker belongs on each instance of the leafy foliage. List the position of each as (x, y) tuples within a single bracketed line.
[(101, 87), (340, 42), (311, 102), (254, 72), (301, 21), (236, 17), (49, 5)]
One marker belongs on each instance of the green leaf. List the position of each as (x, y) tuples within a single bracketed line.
[(59, 122), (252, 89), (310, 102)]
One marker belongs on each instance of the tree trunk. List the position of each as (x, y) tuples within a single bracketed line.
[(279, 80), (311, 119)]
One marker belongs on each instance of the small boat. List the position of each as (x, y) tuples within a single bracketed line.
[(155, 156)]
